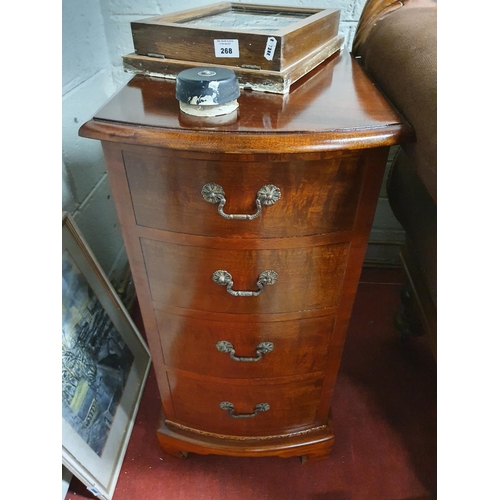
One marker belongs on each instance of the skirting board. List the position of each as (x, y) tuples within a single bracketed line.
[(382, 254)]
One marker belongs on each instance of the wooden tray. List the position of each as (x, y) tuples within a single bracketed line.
[(268, 47)]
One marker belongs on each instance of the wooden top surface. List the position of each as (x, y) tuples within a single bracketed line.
[(333, 107)]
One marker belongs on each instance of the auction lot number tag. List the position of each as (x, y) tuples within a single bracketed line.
[(226, 48)]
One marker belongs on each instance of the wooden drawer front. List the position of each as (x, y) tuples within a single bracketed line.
[(292, 405), (308, 278), (317, 197), (191, 344)]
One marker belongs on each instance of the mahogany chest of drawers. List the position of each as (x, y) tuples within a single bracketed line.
[(246, 242)]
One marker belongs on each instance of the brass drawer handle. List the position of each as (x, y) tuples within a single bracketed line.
[(262, 348), (222, 277), (226, 405), (267, 195)]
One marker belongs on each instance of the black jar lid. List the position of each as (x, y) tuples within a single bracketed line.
[(204, 86)]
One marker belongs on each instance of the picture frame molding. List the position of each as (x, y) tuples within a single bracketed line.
[(100, 473)]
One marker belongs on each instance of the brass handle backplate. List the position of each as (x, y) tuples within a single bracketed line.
[(262, 348), (267, 195), (226, 405), (222, 277)]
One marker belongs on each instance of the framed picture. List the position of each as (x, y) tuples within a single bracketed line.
[(105, 362)]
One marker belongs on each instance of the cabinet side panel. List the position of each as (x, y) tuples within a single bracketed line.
[(121, 196), (373, 163)]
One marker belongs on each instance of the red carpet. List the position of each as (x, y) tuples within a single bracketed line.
[(384, 416)]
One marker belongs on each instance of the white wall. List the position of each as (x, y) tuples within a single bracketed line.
[(87, 82), (95, 36)]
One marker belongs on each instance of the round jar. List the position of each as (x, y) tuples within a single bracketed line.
[(207, 92)]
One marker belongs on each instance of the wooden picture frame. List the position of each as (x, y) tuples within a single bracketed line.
[(105, 363)]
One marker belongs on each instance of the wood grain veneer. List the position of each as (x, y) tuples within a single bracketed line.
[(292, 404), (188, 271), (317, 196), (184, 347)]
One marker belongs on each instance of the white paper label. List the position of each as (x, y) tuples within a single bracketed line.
[(226, 48), (270, 48)]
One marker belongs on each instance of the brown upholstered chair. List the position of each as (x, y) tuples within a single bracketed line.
[(396, 44)]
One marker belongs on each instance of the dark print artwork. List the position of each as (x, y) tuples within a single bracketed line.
[(95, 360)]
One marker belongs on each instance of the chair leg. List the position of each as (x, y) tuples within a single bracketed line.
[(408, 320)]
